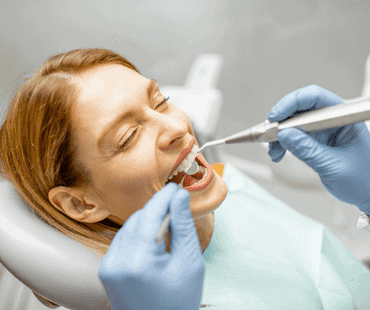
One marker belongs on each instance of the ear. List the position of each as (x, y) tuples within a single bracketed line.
[(72, 203)]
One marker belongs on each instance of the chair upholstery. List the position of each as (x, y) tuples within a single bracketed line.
[(47, 261)]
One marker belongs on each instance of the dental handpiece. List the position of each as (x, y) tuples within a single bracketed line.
[(166, 222), (350, 112)]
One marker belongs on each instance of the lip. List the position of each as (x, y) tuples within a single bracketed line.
[(183, 154), (207, 179)]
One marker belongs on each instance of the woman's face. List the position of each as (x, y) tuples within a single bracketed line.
[(130, 140)]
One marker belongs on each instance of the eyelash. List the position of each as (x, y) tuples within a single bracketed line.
[(124, 144), (163, 102)]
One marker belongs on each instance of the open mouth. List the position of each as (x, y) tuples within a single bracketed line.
[(186, 180), (196, 181)]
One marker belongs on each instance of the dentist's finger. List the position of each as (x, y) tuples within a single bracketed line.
[(184, 235), (276, 151), (302, 100), (156, 210), (305, 148)]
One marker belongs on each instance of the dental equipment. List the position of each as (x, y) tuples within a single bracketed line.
[(350, 112), (194, 167)]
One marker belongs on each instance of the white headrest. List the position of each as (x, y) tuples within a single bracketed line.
[(202, 106), (50, 263)]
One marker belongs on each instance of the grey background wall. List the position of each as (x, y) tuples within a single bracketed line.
[(270, 48)]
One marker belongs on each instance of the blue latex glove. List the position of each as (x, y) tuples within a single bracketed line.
[(137, 273), (341, 155)]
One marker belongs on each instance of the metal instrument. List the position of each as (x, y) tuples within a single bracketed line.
[(351, 112)]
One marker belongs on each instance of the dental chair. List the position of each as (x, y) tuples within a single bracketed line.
[(45, 260), (41, 268)]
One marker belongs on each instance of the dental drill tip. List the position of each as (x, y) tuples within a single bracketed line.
[(193, 168), (212, 143)]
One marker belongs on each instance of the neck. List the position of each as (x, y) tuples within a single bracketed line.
[(204, 228)]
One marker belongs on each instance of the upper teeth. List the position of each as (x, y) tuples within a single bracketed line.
[(186, 163)]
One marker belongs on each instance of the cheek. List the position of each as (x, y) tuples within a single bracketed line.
[(124, 198), (127, 188)]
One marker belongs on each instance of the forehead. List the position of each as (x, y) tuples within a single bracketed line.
[(106, 88), (112, 79), (103, 93)]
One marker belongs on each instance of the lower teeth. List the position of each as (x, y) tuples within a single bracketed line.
[(202, 170)]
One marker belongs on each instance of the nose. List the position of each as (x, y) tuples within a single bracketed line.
[(172, 132)]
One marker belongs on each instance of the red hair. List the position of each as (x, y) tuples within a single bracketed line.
[(36, 141)]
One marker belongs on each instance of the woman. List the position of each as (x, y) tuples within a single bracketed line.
[(100, 140), (88, 141)]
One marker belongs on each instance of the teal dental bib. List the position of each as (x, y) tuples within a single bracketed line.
[(265, 255)]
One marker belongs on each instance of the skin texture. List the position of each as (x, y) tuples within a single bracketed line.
[(122, 181)]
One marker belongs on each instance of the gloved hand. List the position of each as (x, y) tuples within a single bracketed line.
[(341, 155), (137, 273)]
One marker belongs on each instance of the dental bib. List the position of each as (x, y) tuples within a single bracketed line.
[(265, 255)]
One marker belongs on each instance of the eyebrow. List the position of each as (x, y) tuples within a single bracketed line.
[(123, 117)]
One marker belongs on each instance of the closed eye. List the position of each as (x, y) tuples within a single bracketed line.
[(124, 144), (127, 141), (163, 102)]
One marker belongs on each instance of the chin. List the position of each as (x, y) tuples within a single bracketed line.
[(204, 202)]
